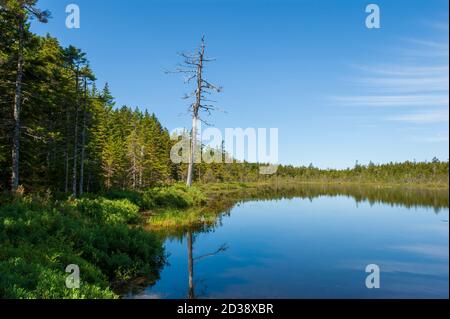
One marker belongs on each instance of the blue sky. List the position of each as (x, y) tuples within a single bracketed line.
[(337, 91)]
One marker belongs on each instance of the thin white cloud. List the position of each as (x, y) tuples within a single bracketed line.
[(433, 251), (418, 82), (393, 100), (407, 84), (429, 44), (405, 71), (440, 116), (426, 48)]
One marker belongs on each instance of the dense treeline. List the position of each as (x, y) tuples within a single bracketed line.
[(72, 138), (413, 173)]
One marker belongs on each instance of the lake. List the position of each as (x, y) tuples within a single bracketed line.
[(314, 246)]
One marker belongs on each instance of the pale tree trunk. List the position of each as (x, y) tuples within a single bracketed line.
[(195, 117), (141, 168), (83, 141), (192, 151), (17, 108), (193, 66), (134, 168), (108, 179), (190, 266), (133, 156)]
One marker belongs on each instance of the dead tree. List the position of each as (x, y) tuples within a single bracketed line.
[(193, 68)]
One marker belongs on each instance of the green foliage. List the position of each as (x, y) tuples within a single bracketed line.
[(132, 196), (432, 174), (111, 211), (175, 196), (38, 239), (167, 219)]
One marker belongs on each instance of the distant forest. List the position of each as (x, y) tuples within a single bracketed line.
[(62, 133)]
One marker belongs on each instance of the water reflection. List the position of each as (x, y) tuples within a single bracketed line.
[(191, 293), (190, 243), (312, 242), (222, 204)]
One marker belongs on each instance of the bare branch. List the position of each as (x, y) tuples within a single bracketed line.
[(222, 248)]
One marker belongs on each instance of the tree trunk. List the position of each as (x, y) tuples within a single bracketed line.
[(66, 152), (83, 140), (192, 151), (17, 108), (134, 168), (75, 144), (191, 293), (141, 168), (195, 117)]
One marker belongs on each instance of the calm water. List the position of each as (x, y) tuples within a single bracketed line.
[(313, 248)]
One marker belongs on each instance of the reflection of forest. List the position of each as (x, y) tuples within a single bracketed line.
[(395, 196), (221, 200)]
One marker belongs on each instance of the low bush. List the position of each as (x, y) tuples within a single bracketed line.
[(175, 196), (132, 196), (111, 211), (38, 239)]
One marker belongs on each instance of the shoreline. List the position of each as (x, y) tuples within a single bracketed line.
[(221, 197)]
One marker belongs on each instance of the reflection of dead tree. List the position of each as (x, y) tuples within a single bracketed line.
[(222, 248), (190, 266), (191, 259)]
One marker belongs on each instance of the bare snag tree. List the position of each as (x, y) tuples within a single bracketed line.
[(193, 67)]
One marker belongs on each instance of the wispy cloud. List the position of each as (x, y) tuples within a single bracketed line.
[(393, 100), (433, 251), (426, 48), (439, 116), (418, 82), (408, 84), (404, 71)]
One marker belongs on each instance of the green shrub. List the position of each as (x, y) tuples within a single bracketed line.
[(176, 196), (111, 211), (132, 196), (37, 242)]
